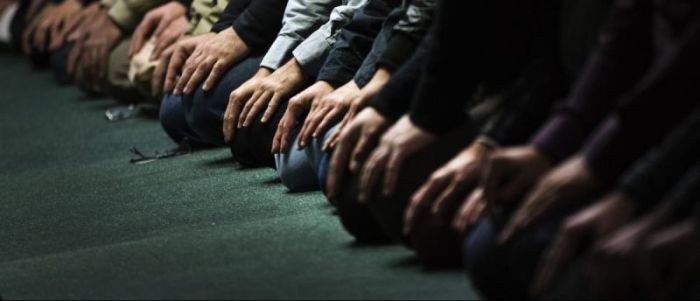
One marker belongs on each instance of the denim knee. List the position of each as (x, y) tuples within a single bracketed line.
[(172, 118), (204, 117), (295, 171)]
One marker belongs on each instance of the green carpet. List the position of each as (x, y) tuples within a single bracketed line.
[(77, 220)]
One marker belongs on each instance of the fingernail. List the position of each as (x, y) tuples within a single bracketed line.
[(205, 87)]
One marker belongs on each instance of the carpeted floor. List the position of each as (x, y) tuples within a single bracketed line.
[(78, 221)]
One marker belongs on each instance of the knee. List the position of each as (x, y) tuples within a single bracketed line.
[(204, 118), (172, 117), (356, 218), (436, 244), (295, 172), (492, 265), (480, 254), (240, 149)]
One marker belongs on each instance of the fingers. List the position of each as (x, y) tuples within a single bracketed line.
[(138, 38), (282, 141), (56, 30), (327, 122), (231, 116), (74, 56), (160, 30), (69, 26), (191, 66), (198, 76), (391, 176), (158, 76), (248, 106), (422, 198), (491, 180), (560, 254), (27, 39), (41, 35), (271, 108), (363, 147), (161, 45), (333, 139), (174, 68), (216, 72), (257, 107), (339, 163), (311, 124), (372, 171), (470, 211)]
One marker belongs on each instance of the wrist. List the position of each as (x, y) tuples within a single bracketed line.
[(262, 72), (293, 71)]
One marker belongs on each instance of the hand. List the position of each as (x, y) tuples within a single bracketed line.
[(80, 20), (238, 99), (617, 254), (326, 111), (399, 143), (447, 186), (38, 31), (579, 232), (271, 91), (182, 50), (158, 78), (298, 105), (472, 209), (567, 183), (358, 103), (354, 144), (101, 37), (510, 173), (213, 58), (669, 259), (164, 24), (46, 28)]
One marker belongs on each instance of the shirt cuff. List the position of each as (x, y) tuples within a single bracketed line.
[(280, 52), (311, 54)]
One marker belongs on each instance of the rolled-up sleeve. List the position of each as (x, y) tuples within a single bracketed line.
[(301, 19)]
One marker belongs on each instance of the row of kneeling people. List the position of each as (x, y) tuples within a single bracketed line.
[(550, 147)]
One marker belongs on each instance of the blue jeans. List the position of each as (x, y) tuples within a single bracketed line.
[(299, 169), (199, 116)]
